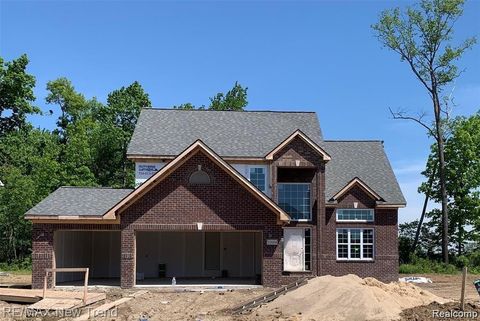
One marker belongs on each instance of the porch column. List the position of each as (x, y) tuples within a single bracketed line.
[(127, 259), (42, 254)]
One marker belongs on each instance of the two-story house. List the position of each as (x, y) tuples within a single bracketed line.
[(227, 197)]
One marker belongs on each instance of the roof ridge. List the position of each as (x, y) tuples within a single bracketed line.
[(95, 187), (242, 111), (354, 140)]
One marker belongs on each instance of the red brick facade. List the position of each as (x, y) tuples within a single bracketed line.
[(224, 205), (385, 264)]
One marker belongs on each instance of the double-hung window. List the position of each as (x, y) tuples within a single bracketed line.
[(294, 198), (355, 244), (355, 215)]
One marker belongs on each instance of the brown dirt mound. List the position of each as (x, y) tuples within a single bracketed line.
[(349, 297), (434, 311)]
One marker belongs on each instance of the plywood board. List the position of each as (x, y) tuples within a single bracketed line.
[(33, 295)]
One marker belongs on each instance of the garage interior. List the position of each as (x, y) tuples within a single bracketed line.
[(198, 258), (97, 250)]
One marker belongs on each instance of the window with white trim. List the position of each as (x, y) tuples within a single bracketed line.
[(355, 215), (355, 244), (294, 198)]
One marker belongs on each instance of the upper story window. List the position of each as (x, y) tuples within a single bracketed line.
[(355, 215), (258, 177), (294, 198), (257, 174)]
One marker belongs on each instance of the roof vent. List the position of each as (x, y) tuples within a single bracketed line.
[(199, 177)]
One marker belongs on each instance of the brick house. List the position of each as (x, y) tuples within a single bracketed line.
[(239, 197)]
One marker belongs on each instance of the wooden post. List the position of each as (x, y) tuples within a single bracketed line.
[(45, 285), (85, 287), (462, 296)]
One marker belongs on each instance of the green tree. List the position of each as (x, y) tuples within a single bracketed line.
[(235, 99), (73, 105), (462, 165), (16, 94), (76, 125), (422, 36), (117, 123), (187, 106), (30, 171)]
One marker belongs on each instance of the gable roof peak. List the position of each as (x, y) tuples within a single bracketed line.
[(181, 159), (306, 139)]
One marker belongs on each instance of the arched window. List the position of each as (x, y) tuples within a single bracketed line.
[(199, 177)]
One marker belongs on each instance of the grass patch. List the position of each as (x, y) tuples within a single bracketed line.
[(17, 267), (419, 265)]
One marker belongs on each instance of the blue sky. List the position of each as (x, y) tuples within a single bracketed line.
[(314, 55)]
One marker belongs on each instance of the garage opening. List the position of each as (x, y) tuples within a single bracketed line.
[(97, 250), (198, 258)]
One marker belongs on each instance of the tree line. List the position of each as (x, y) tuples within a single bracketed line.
[(87, 147)]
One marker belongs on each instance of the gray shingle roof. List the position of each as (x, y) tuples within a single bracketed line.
[(167, 132), (363, 159), (82, 201)]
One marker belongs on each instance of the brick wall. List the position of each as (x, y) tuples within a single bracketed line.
[(43, 247), (222, 205), (385, 264), (298, 162)]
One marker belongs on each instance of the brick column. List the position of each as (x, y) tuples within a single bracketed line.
[(127, 259), (42, 254)]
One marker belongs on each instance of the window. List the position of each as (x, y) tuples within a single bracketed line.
[(257, 174), (354, 244), (258, 177), (349, 215), (297, 249), (294, 198)]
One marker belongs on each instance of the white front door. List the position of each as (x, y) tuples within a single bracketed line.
[(294, 249)]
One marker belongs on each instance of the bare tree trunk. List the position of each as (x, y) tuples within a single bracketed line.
[(441, 172), (424, 210)]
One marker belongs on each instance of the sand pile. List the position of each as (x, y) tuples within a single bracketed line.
[(349, 297)]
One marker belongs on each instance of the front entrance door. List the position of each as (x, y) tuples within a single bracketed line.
[(294, 249)]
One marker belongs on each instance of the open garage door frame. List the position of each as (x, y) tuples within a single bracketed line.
[(194, 257), (99, 250)]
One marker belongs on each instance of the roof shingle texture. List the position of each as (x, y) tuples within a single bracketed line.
[(82, 201), (167, 132), (363, 159), (249, 134)]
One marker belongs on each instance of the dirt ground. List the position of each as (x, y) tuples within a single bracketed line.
[(436, 311), (449, 286), (212, 305)]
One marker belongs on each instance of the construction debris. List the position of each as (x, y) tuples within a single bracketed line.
[(102, 310), (247, 306), (54, 300)]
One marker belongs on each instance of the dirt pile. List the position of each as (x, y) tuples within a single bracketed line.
[(349, 297)]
